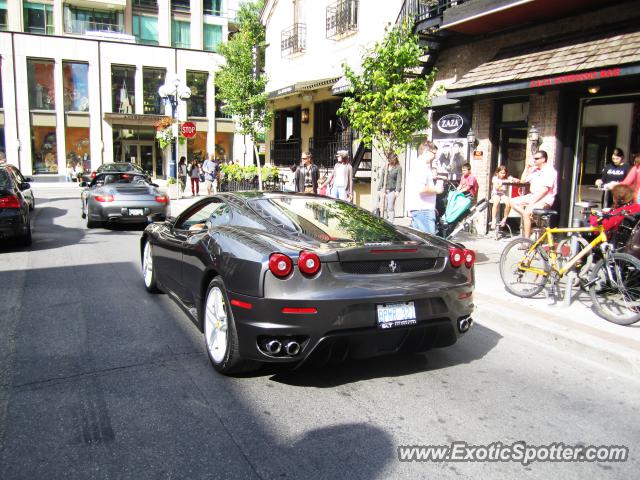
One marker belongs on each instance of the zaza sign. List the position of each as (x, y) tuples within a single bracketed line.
[(188, 129), (451, 124)]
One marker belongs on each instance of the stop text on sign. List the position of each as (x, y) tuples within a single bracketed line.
[(188, 129)]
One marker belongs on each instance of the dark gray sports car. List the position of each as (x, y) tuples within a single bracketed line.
[(122, 197), (278, 277)]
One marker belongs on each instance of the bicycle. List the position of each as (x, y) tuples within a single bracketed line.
[(526, 266)]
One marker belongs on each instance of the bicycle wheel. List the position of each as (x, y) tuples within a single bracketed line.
[(614, 287), (516, 258)]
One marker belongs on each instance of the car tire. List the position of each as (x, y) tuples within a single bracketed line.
[(148, 269), (32, 205), (26, 239), (220, 334), (90, 223), (83, 214)]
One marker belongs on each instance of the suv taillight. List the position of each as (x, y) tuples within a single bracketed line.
[(10, 201), (309, 263), (280, 265)]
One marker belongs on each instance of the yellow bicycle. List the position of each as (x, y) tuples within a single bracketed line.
[(526, 266)]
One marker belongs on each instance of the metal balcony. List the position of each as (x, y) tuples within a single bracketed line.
[(342, 18), (293, 39)]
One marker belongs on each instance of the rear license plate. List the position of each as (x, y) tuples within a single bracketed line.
[(136, 211), (393, 315)]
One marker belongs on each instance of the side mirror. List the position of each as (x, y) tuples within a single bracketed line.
[(25, 186), (28, 179)]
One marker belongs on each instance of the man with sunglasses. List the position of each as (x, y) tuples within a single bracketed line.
[(543, 187)]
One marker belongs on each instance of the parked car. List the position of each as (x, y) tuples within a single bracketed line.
[(122, 197), (284, 277), (111, 167), (24, 181), (15, 216)]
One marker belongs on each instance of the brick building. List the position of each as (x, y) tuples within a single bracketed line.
[(558, 76)]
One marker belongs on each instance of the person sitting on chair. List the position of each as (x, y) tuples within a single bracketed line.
[(468, 183), (543, 180), (623, 203), (499, 196)]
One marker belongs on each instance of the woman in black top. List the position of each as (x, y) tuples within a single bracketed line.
[(613, 173)]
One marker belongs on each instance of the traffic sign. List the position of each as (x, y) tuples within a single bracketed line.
[(188, 129)]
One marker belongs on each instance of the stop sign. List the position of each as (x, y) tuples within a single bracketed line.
[(188, 129)]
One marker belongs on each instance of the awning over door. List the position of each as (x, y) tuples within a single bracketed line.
[(305, 86), (533, 66)]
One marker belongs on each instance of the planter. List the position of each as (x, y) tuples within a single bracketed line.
[(172, 191)]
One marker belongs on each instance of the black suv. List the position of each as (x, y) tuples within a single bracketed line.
[(15, 205)]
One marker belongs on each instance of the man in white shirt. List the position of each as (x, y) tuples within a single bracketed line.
[(422, 189)]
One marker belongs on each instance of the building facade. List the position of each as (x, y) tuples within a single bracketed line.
[(563, 77), (79, 81), (308, 42)]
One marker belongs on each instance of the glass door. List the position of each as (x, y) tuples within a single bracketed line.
[(143, 154)]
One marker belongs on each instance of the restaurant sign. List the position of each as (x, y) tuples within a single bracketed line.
[(575, 77)]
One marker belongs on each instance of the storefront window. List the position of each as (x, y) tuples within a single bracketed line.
[(145, 29), (180, 34), (212, 7), (153, 78), (3, 14), (197, 104), (197, 147), (123, 88), (38, 18), (3, 148), (80, 21), (212, 37), (41, 88), (76, 87), (43, 149), (76, 141)]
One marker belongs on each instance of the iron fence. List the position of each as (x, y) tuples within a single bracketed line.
[(324, 149), (293, 39), (342, 18)]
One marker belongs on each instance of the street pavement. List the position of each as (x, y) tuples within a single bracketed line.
[(99, 379)]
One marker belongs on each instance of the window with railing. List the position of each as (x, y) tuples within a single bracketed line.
[(80, 20), (197, 103), (148, 5), (3, 14), (212, 7), (38, 18), (342, 18), (293, 39), (180, 34), (152, 80), (220, 111), (180, 5), (212, 37), (145, 29)]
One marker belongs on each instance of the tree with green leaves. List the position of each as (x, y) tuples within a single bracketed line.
[(388, 101), (239, 83)]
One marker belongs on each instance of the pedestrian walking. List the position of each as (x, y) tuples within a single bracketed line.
[(390, 187), (341, 179), (422, 189), (307, 175), (194, 174), (182, 173), (211, 169)]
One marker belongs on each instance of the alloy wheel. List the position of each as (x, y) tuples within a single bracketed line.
[(215, 325)]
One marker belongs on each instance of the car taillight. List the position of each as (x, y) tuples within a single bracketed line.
[(93, 174), (456, 256), (104, 198), (280, 265), (308, 263), (162, 199), (469, 258), (10, 201)]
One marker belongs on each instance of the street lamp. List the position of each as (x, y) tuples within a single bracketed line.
[(173, 91), (534, 137)]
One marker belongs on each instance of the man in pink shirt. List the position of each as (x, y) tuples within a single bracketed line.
[(543, 185)]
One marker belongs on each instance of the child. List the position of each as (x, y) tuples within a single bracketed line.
[(499, 195), (468, 183)]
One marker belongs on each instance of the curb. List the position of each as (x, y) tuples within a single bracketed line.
[(561, 333)]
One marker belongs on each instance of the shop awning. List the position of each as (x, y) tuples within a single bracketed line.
[(306, 86), (341, 87), (535, 66)]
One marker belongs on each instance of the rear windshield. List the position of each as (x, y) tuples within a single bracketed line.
[(326, 219), (117, 167), (108, 178)]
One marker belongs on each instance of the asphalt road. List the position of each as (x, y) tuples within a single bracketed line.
[(100, 380)]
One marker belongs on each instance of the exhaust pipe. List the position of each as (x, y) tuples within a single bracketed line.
[(464, 324), (273, 347), (292, 348)]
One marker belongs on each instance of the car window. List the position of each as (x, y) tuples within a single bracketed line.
[(215, 213), (326, 219), (5, 180)]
